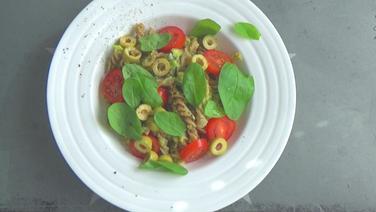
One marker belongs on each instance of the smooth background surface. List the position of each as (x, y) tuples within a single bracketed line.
[(328, 164)]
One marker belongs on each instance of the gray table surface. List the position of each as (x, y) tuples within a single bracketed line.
[(329, 163)]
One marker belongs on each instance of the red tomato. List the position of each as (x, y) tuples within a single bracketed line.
[(220, 128), (112, 86), (177, 41), (216, 59), (163, 93), (194, 150), (155, 147)]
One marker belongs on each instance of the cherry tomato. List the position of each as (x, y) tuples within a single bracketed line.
[(155, 147), (216, 59), (112, 86), (177, 41), (194, 150), (220, 128), (163, 93)]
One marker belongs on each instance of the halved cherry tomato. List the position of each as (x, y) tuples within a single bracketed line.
[(163, 93), (155, 147), (177, 41), (220, 128), (112, 86), (216, 59), (194, 150)]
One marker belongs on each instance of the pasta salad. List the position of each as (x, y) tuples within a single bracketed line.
[(176, 97)]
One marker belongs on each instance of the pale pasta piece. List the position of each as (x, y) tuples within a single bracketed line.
[(201, 120), (144, 111), (163, 142), (209, 42), (140, 30), (116, 60)]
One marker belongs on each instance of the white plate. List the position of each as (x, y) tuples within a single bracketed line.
[(78, 115)]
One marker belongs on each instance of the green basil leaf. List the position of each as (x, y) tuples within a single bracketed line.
[(170, 123), (132, 92), (154, 41), (151, 96), (123, 119), (212, 110), (194, 84), (164, 165), (235, 90), (149, 165), (172, 167), (205, 27), (247, 30), (135, 71), (144, 86)]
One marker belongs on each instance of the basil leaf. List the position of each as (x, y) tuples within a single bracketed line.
[(172, 167), (154, 41), (132, 92), (134, 70), (247, 30), (124, 121), (143, 86), (151, 96), (205, 27), (194, 84), (212, 110), (170, 123), (235, 90), (149, 165), (164, 165)]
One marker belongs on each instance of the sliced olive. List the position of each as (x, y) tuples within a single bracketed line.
[(144, 145), (128, 41), (161, 67), (201, 60), (132, 55), (218, 147)]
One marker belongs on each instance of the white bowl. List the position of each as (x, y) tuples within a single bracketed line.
[(78, 115)]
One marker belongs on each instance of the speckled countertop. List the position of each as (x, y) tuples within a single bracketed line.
[(328, 164)]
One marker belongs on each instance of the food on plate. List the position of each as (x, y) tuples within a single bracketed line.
[(175, 96)]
